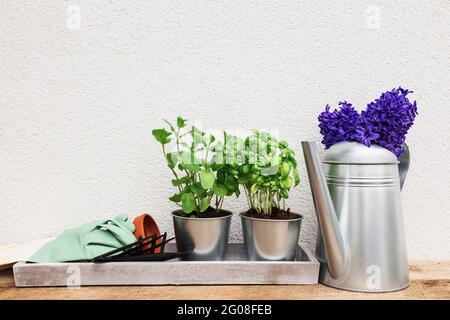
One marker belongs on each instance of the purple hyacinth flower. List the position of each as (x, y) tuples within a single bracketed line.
[(385, 122)]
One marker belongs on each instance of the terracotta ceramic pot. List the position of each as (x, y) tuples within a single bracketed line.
[(146, 226)]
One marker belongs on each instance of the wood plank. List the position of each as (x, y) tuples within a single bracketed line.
[(430, 280)]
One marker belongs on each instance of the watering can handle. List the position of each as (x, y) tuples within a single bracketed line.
[(403, 165)]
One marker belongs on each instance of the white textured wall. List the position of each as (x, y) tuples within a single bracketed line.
[(77, 105)]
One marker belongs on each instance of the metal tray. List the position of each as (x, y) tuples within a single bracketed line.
[(234, 270)]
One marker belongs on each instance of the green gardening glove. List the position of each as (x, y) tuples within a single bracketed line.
[(88, 241)]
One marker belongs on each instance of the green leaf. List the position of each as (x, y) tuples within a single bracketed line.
[(283, 144), (179, 182), (204, 204), (260, 180), (291, 157), (172, 159), (285, 169), (231, 183), (181, 123), (296, 176), (176, 197), (187, 189), (221, 176), (197, 188), (286, 183), (207, 179), (244, 169), (161, 135), (215, 166), (244, 180), (188, 202), (219, 190)]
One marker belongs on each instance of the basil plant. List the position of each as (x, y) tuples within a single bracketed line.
[(267, 173), (196, 159)]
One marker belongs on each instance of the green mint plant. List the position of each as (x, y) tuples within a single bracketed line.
[(197, 162), (267, 173)]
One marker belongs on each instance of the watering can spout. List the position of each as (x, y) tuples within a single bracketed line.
[(334, 245)]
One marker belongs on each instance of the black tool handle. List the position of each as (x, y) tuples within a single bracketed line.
[(146, 257)]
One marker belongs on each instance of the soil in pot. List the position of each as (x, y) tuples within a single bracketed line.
[(276, 214), (209, 213)]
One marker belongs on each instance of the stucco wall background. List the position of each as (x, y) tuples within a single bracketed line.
[(80, 94)]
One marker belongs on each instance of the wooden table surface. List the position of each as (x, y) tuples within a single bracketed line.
[(429, 280)]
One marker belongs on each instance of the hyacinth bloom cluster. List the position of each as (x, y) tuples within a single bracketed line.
[(384, 122)]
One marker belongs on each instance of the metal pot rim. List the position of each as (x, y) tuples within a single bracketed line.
[(300, 217), (229, 214)]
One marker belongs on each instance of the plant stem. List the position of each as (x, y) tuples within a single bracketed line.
[(177, 140), (249, 203), (173, 171), (221, 203), (259, 201)]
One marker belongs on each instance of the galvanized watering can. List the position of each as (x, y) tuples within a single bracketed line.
[(361, 245)]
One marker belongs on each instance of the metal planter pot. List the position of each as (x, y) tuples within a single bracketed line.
[(207, 238), (273, 240)]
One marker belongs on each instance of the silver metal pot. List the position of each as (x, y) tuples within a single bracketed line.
[(267, 239), (207, 238)]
